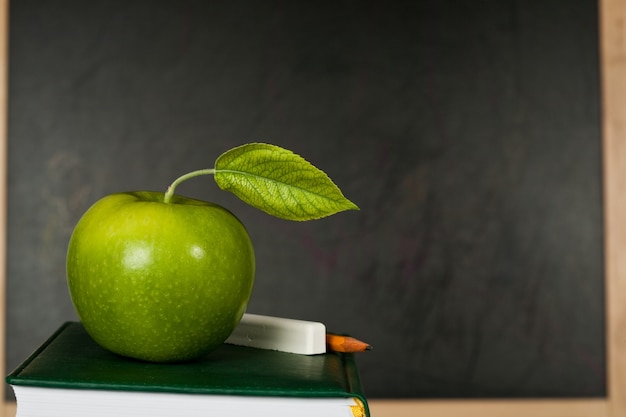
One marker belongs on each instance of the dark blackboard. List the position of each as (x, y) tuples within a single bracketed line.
[(467, 132)]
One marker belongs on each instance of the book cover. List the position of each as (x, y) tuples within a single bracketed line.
[(70, 361)]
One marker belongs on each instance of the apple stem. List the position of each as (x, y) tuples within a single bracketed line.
[(170, 190)]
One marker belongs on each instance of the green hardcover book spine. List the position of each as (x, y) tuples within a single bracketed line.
[(70, 359), (353, 384)]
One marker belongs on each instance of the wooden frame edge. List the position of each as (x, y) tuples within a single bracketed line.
[(613, 89)]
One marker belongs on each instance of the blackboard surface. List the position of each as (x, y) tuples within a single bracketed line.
[(468, 133)]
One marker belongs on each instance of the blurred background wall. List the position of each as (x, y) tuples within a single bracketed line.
[(467, 132)]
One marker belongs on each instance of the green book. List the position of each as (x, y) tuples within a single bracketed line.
[(71, 376)]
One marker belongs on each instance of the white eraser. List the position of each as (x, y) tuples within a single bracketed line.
[(281, 334)]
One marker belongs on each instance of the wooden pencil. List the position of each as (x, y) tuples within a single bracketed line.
[(338, 343)]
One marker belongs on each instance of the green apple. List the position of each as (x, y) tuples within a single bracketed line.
[(159, 281), (160, 277)]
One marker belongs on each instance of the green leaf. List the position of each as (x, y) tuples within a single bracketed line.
[(279, 182)]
